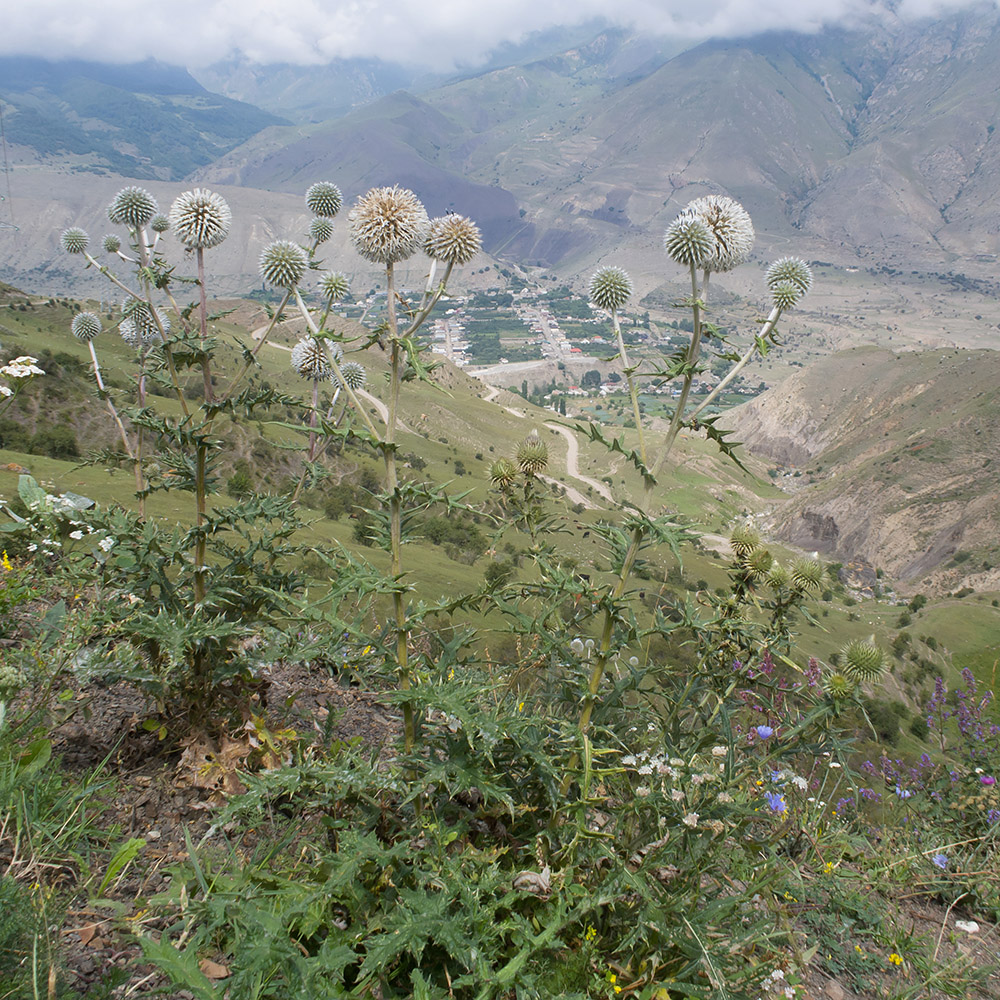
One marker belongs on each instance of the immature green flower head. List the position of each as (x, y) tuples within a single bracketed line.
[(387, 225), (159, 223), (789, 270), (334, 286), (863, 661), (75, 240), (86, 326), (111, 243), (610, 288), (785, 295), (354, 374), (324, 199), (807, 574), (200, 219), (283, 263), (759, 563), (838, 685), (532, 455), (778, 577), (688, 241), (454, 239), (503, 473), (132, 207), (320, 229), (311, 357), (729, 223), (744, 540)]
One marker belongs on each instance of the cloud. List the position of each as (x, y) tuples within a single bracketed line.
[(440, 35)]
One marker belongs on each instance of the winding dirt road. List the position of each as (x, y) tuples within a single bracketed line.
[(572, 462)]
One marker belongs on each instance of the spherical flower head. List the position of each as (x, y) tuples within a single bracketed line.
[(807, 574), (532, 455), (86, 326), (354, 374), (688, 241), (785, 295), (454, 239), (792, 271), (283, 263), (610, 288), (159, 223), (863, 661), (75, 240), (744, 540), (729, 223), (143, 327), (759, 563), (111, 243), (320, 230), (503, 474), (324, 199), (311, 358), (128, 332), (838, 685), (132, 207), (387, 225), (778, 577), (200, 219), (334, 286)]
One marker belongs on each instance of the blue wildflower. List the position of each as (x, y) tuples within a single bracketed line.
[(941, 860), (776, 803), (764, 732)]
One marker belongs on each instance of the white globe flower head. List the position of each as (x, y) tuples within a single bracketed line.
[(610, 288), (730, 225), (311, 358), (453, 239), (86, 326), (354, 375), (689, 241), (789, 271), (143, 329), (75, 240), (283, 264), (324, 199), (334, 286), (159, 223), (133, 207), (320, 229), (200, 219), (387, 225)]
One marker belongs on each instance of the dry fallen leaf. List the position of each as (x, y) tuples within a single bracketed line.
[(213, 970)]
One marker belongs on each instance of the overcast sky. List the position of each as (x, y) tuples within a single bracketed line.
[(440, 34)]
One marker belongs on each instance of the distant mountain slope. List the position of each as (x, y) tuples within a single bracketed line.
[(876, 143), (898, 455), (146, 120)]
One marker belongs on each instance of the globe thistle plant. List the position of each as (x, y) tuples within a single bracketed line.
[(743, 541), (86, 326), (141, 316), (311, 358), (864, 662), (503, 473), (731, 228), (353, 374), (689, 241), (610, 288), (838, 685), (807, 574), (200, 219), (320, 230), (785, 295), (111, 243), (791, 271), (532, 455), (159, 223), (283, 263), (75, 240), (334, 286), (453, 239), (324, 199), (387, 225), (133, 207)]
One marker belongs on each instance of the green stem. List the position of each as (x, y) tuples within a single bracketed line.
[(632, 387), (206, 368)]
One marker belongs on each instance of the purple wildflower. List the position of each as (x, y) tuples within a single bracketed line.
[(941, 860), (764, 732), (776, 803)]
